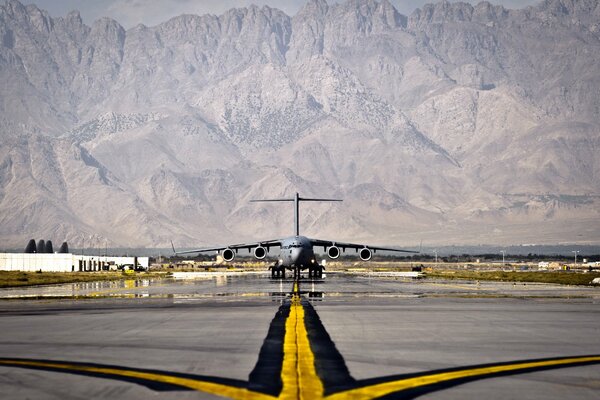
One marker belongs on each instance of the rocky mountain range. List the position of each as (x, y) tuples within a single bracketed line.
[(458, 124)]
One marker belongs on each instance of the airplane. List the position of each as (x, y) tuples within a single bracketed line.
[(296, 252)]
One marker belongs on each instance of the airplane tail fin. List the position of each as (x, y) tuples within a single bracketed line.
[(296, 199)]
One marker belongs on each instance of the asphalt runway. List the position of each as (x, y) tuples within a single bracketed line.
[(347, 336)]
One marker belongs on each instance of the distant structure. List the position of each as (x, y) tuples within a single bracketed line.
[(31, 247), (44, 246), (64, 248), (68, 262), (41, 257)]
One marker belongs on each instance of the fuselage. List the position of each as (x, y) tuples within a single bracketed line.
[(297, 251)]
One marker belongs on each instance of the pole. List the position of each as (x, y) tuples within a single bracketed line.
[(575, 252), (503, 252)]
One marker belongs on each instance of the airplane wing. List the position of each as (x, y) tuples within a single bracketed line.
[(267, 244), (344, 246)]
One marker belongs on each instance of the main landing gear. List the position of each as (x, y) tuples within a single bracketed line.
[(316, 271), (277, 272)]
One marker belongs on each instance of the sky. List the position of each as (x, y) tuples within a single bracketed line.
[(152, 12)]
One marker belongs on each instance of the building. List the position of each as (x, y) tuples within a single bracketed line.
[(66, 262)]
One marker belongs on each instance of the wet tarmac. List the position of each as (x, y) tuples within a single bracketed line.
[(346, 336)]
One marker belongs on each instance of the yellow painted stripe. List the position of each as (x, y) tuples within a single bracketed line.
[(298, 373), (207, 387), (386, 388), (289, 375)]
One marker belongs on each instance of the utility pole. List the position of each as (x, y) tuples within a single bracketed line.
[(503, 252), (575, 251)]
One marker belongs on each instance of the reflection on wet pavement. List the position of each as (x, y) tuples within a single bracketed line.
[(336, 285)]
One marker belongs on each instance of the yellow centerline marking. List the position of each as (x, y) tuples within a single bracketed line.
[(299, 375), (302, 381), (203, 386), (298, 372), (385, 388), (289, 375)]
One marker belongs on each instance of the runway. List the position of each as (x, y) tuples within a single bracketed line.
[(347, 336)]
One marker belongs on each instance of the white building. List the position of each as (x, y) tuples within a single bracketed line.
[(59, 262), (543, 265)]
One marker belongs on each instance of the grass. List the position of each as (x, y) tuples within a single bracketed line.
[(563, 278), (16, 278)]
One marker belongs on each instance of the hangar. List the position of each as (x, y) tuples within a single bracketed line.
[(66, 262)]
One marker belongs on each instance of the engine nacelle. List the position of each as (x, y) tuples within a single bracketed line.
[(333, 252), (228, 254), (365, 254), (260, 252)]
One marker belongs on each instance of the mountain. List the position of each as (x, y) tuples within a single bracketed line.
[(458, 124)]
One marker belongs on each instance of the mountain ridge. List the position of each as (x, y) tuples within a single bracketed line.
[(466, 123)]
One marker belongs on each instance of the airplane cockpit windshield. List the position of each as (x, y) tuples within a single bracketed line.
[(293, 246)]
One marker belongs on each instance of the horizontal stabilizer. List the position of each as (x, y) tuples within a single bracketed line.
[(299, 199), (296, 199)]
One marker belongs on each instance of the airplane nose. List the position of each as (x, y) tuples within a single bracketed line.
[(296, 254)]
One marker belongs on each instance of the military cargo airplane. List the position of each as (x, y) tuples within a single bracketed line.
[(296, 252)]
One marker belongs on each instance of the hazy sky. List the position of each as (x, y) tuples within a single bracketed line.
[(152, 12)]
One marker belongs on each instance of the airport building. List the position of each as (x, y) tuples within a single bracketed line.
[(40, 256), (67, 262)]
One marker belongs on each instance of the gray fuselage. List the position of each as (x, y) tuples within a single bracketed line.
[(297, 251)]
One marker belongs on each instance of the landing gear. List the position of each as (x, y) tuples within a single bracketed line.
[(277, 272), (315, 272)]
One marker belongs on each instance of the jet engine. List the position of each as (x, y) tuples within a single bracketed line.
[(365, 254), (228, 255), (260, 252), (333, 252)]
